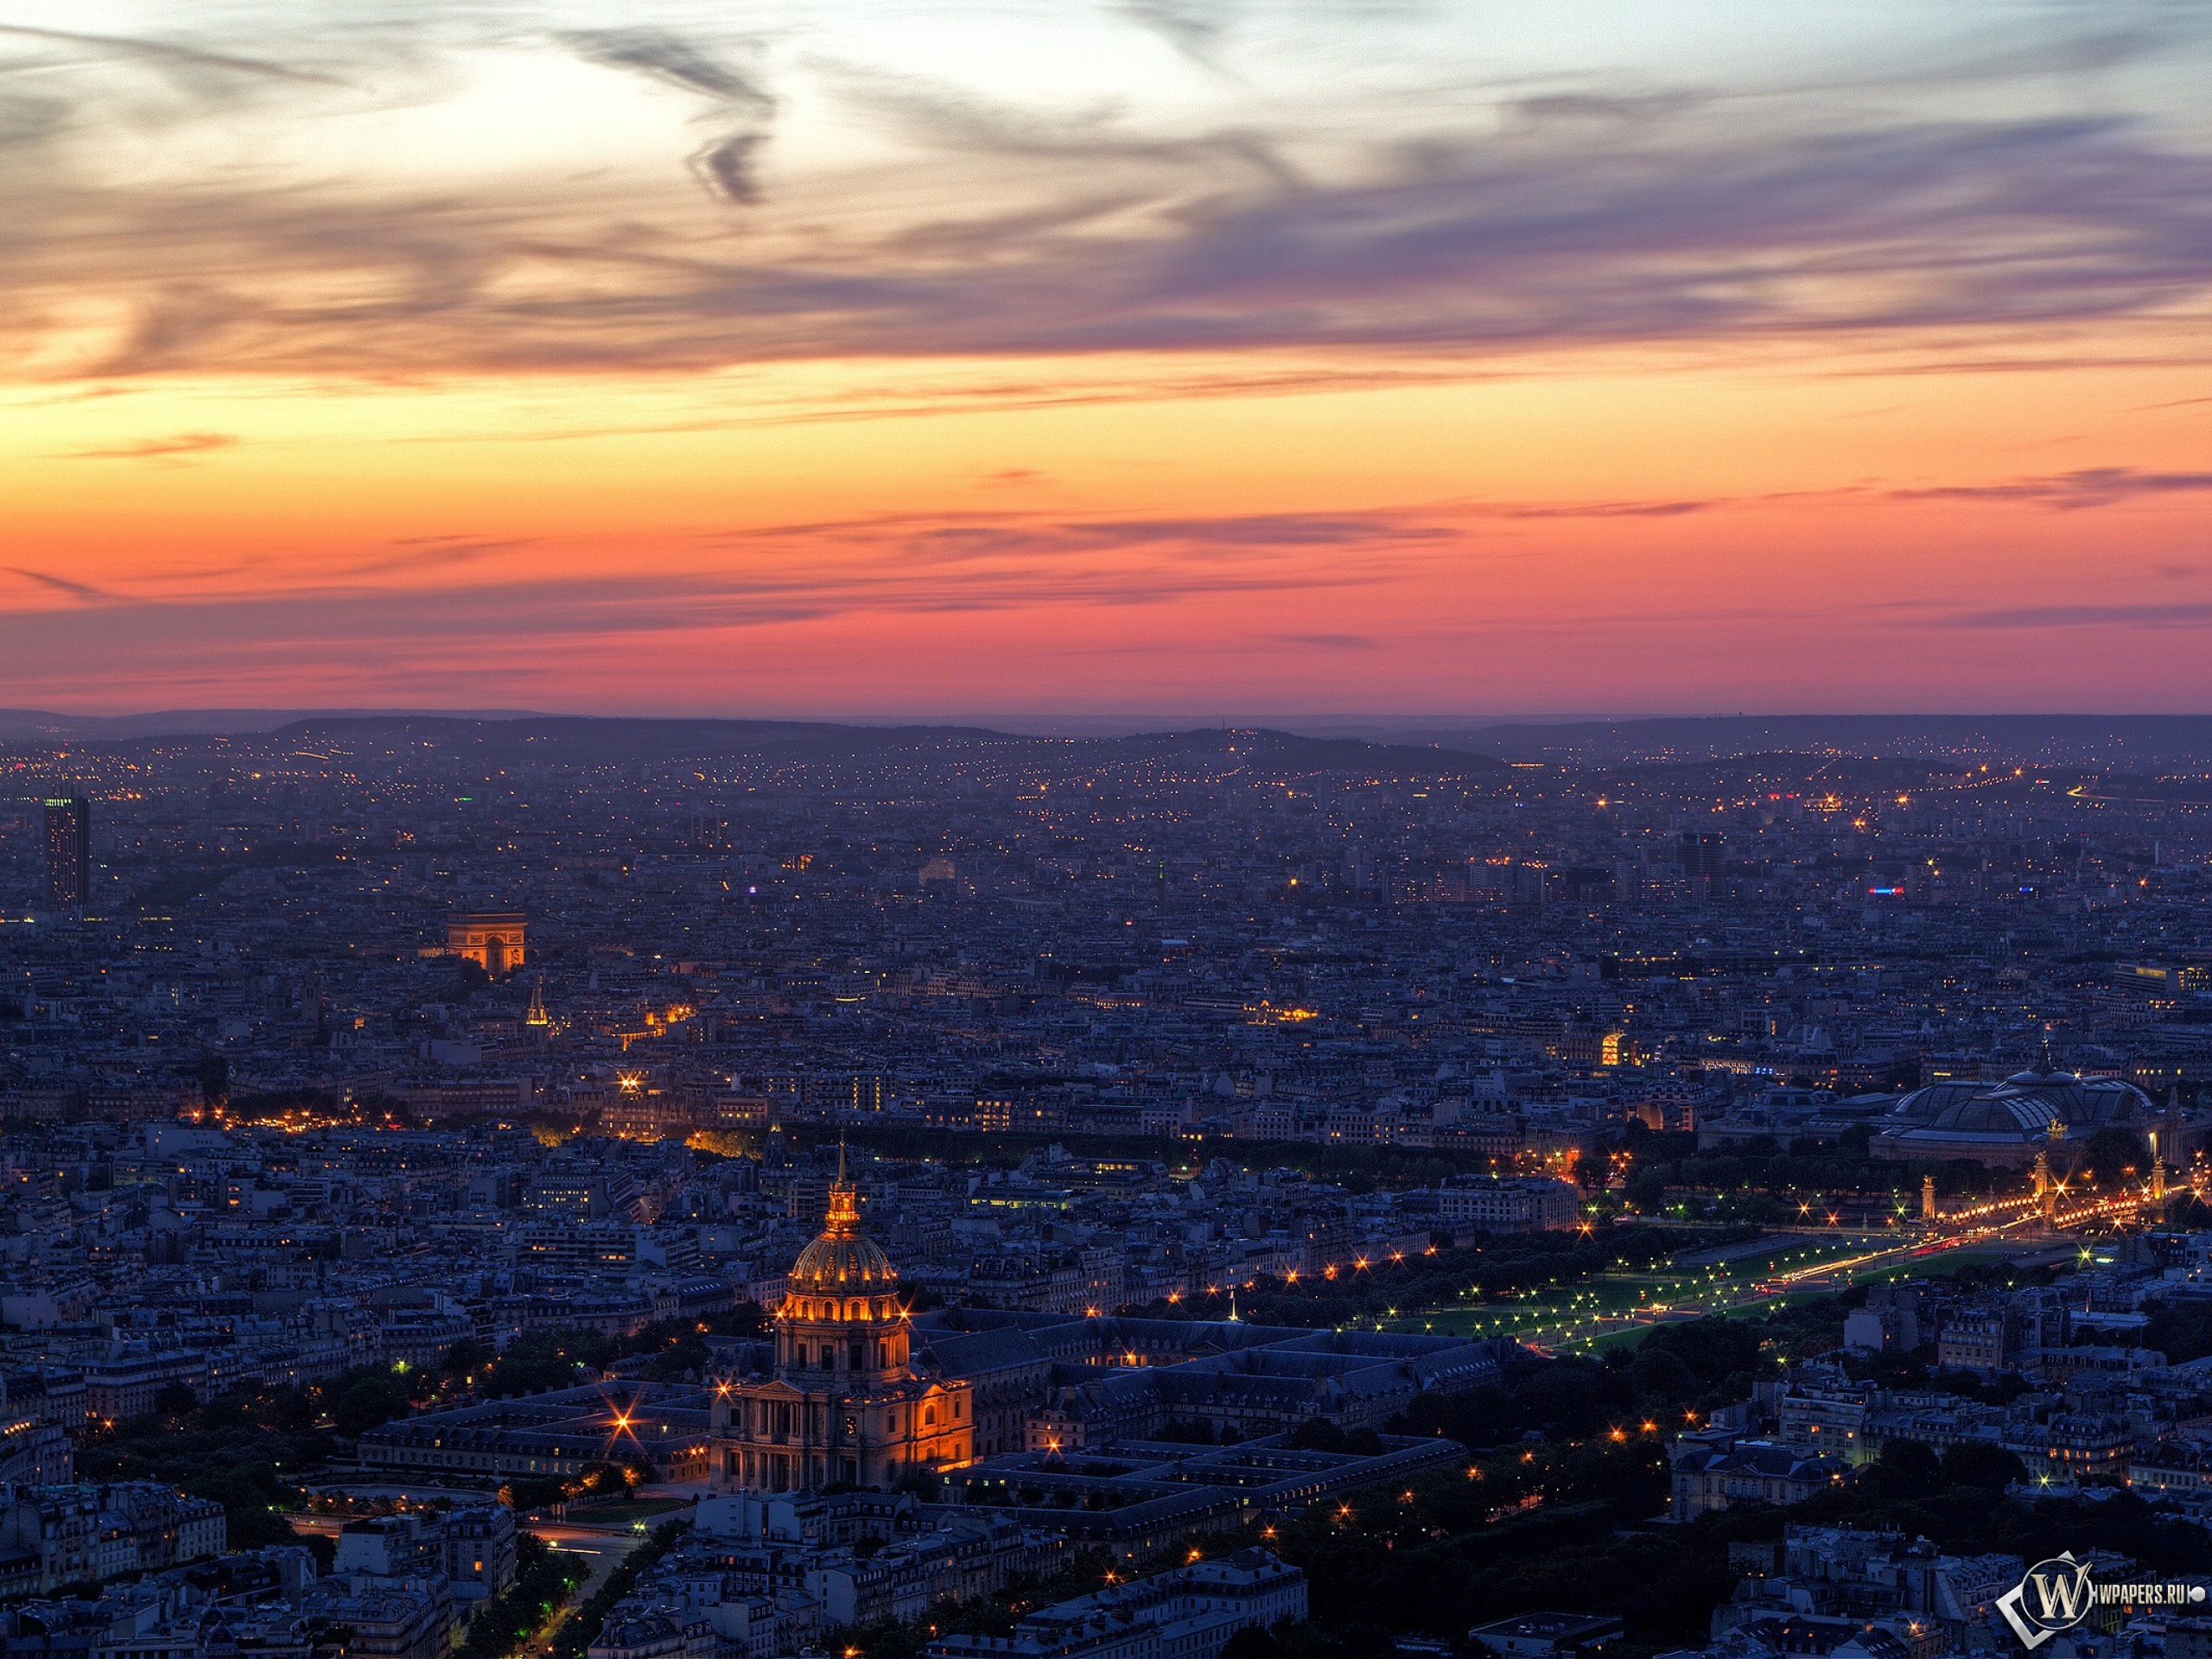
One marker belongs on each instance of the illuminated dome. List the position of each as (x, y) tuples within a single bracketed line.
[(843, 1406), (843, 1258), (840, 1261), (842, 1310)]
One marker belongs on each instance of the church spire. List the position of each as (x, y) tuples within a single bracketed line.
[(844, 1217)]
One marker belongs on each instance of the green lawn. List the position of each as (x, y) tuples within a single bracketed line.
[(624, 1513), (1718, 1286)]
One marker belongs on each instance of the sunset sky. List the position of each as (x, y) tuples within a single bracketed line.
[(1156, 358)]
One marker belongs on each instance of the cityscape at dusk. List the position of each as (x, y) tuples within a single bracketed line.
[(1160, 830)]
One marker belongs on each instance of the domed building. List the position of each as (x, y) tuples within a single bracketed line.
[(843, 1404), (2008, 1123)]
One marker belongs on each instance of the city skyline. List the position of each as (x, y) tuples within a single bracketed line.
[(1135, 361), (915, 1193)]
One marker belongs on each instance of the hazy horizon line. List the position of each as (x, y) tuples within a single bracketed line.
[(1098, 722)]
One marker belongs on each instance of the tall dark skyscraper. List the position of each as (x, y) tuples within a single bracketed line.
[(68, 852)]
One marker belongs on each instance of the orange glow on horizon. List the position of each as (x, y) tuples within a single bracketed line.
[(714, 370), (688, 586)]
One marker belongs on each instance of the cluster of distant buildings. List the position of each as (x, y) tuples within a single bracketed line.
[(1260, 941), (1839, 1593), (2100, 1409), (400, 1585), (58, 1537), (2091, 1412), (756, 1577)]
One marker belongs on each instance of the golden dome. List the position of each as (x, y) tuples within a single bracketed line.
[(842, 1259), (831, 1263)]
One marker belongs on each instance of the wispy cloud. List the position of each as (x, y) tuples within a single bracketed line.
[(1594, 509), (420, 591), (1329, 641), (181, 443), (2160, 618), (743, 108), (168, 52), (939, 540), (1195, 29), (83, 592), (2085, 487), (434, 553), (550, 612), (1098, 227), (669, 57)]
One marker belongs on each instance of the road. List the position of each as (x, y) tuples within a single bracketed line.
[(602, 1549)]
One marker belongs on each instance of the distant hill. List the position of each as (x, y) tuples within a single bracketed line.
[(2139, 744), (1796, 772), (584, 739), (2134, 740), (579, 740), (1311, 753), (43, 726)]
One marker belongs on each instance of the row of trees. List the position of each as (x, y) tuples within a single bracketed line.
[(583, 1626), (1754, 1181), (248, 1448), (544, 1579)]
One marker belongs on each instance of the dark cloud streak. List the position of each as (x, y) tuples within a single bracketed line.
[(172, 53), (83, 592), (725, 166), (913, 564), (434, 554), (672, 59), (2154, 618), (605, 607), (2086, 487)]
